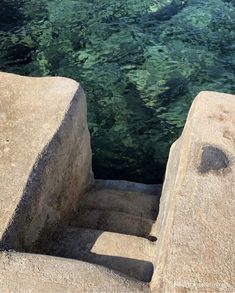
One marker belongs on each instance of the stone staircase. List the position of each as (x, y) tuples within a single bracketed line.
[(112, 228)]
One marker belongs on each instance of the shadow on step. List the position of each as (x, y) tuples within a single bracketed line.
[(138, 269), (112, 250)]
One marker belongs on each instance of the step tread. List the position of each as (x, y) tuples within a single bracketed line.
[(154, 189), (113, 221), (128, 254), (131, 202)]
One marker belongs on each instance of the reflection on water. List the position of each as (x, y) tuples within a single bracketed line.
[(141, 62)]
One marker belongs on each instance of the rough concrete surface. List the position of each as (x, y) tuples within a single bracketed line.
[(196, 223), (109, 234), (127, 254), (45, 173), (131, 202), (124, 185), (113, 221), (29, 273), (45, 155)]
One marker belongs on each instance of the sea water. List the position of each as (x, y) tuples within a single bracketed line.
[(140, 62)]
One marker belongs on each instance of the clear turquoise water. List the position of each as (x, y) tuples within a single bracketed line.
[(141, 63)]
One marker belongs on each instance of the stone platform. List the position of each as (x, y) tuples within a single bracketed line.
[(107, 236)]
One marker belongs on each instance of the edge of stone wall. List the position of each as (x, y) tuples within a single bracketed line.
[(23, 229), (177, 166)]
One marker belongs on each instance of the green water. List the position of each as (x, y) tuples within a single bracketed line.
[(140, 62)]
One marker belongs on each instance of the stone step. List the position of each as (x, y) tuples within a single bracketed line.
[(127, 254), (35, 273), (113, 221), (154, 189), (134, 203)]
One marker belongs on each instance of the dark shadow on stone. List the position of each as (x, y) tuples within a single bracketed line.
[(129, 266), (13, 236), (152, 238), (213, 159), (70, 244)]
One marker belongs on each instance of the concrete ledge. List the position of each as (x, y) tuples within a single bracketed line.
[(45, 155), (196, 223)]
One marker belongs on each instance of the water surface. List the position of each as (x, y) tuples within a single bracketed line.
[(141, 63)]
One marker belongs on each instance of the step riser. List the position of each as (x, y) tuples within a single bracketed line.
[(122, 185), (113, 222), (132, 203)]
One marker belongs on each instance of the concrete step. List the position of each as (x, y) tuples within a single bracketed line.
[(35, 273), (134, 203), (154, 189), (113, 221), (127, 254)]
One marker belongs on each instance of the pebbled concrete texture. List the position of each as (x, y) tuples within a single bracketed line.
[(131, 202), (45, 155), (127, 254), (196, 222), (112, 221), (31, 273)]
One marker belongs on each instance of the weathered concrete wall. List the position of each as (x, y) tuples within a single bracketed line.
[(196, 223), (45, 155)]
